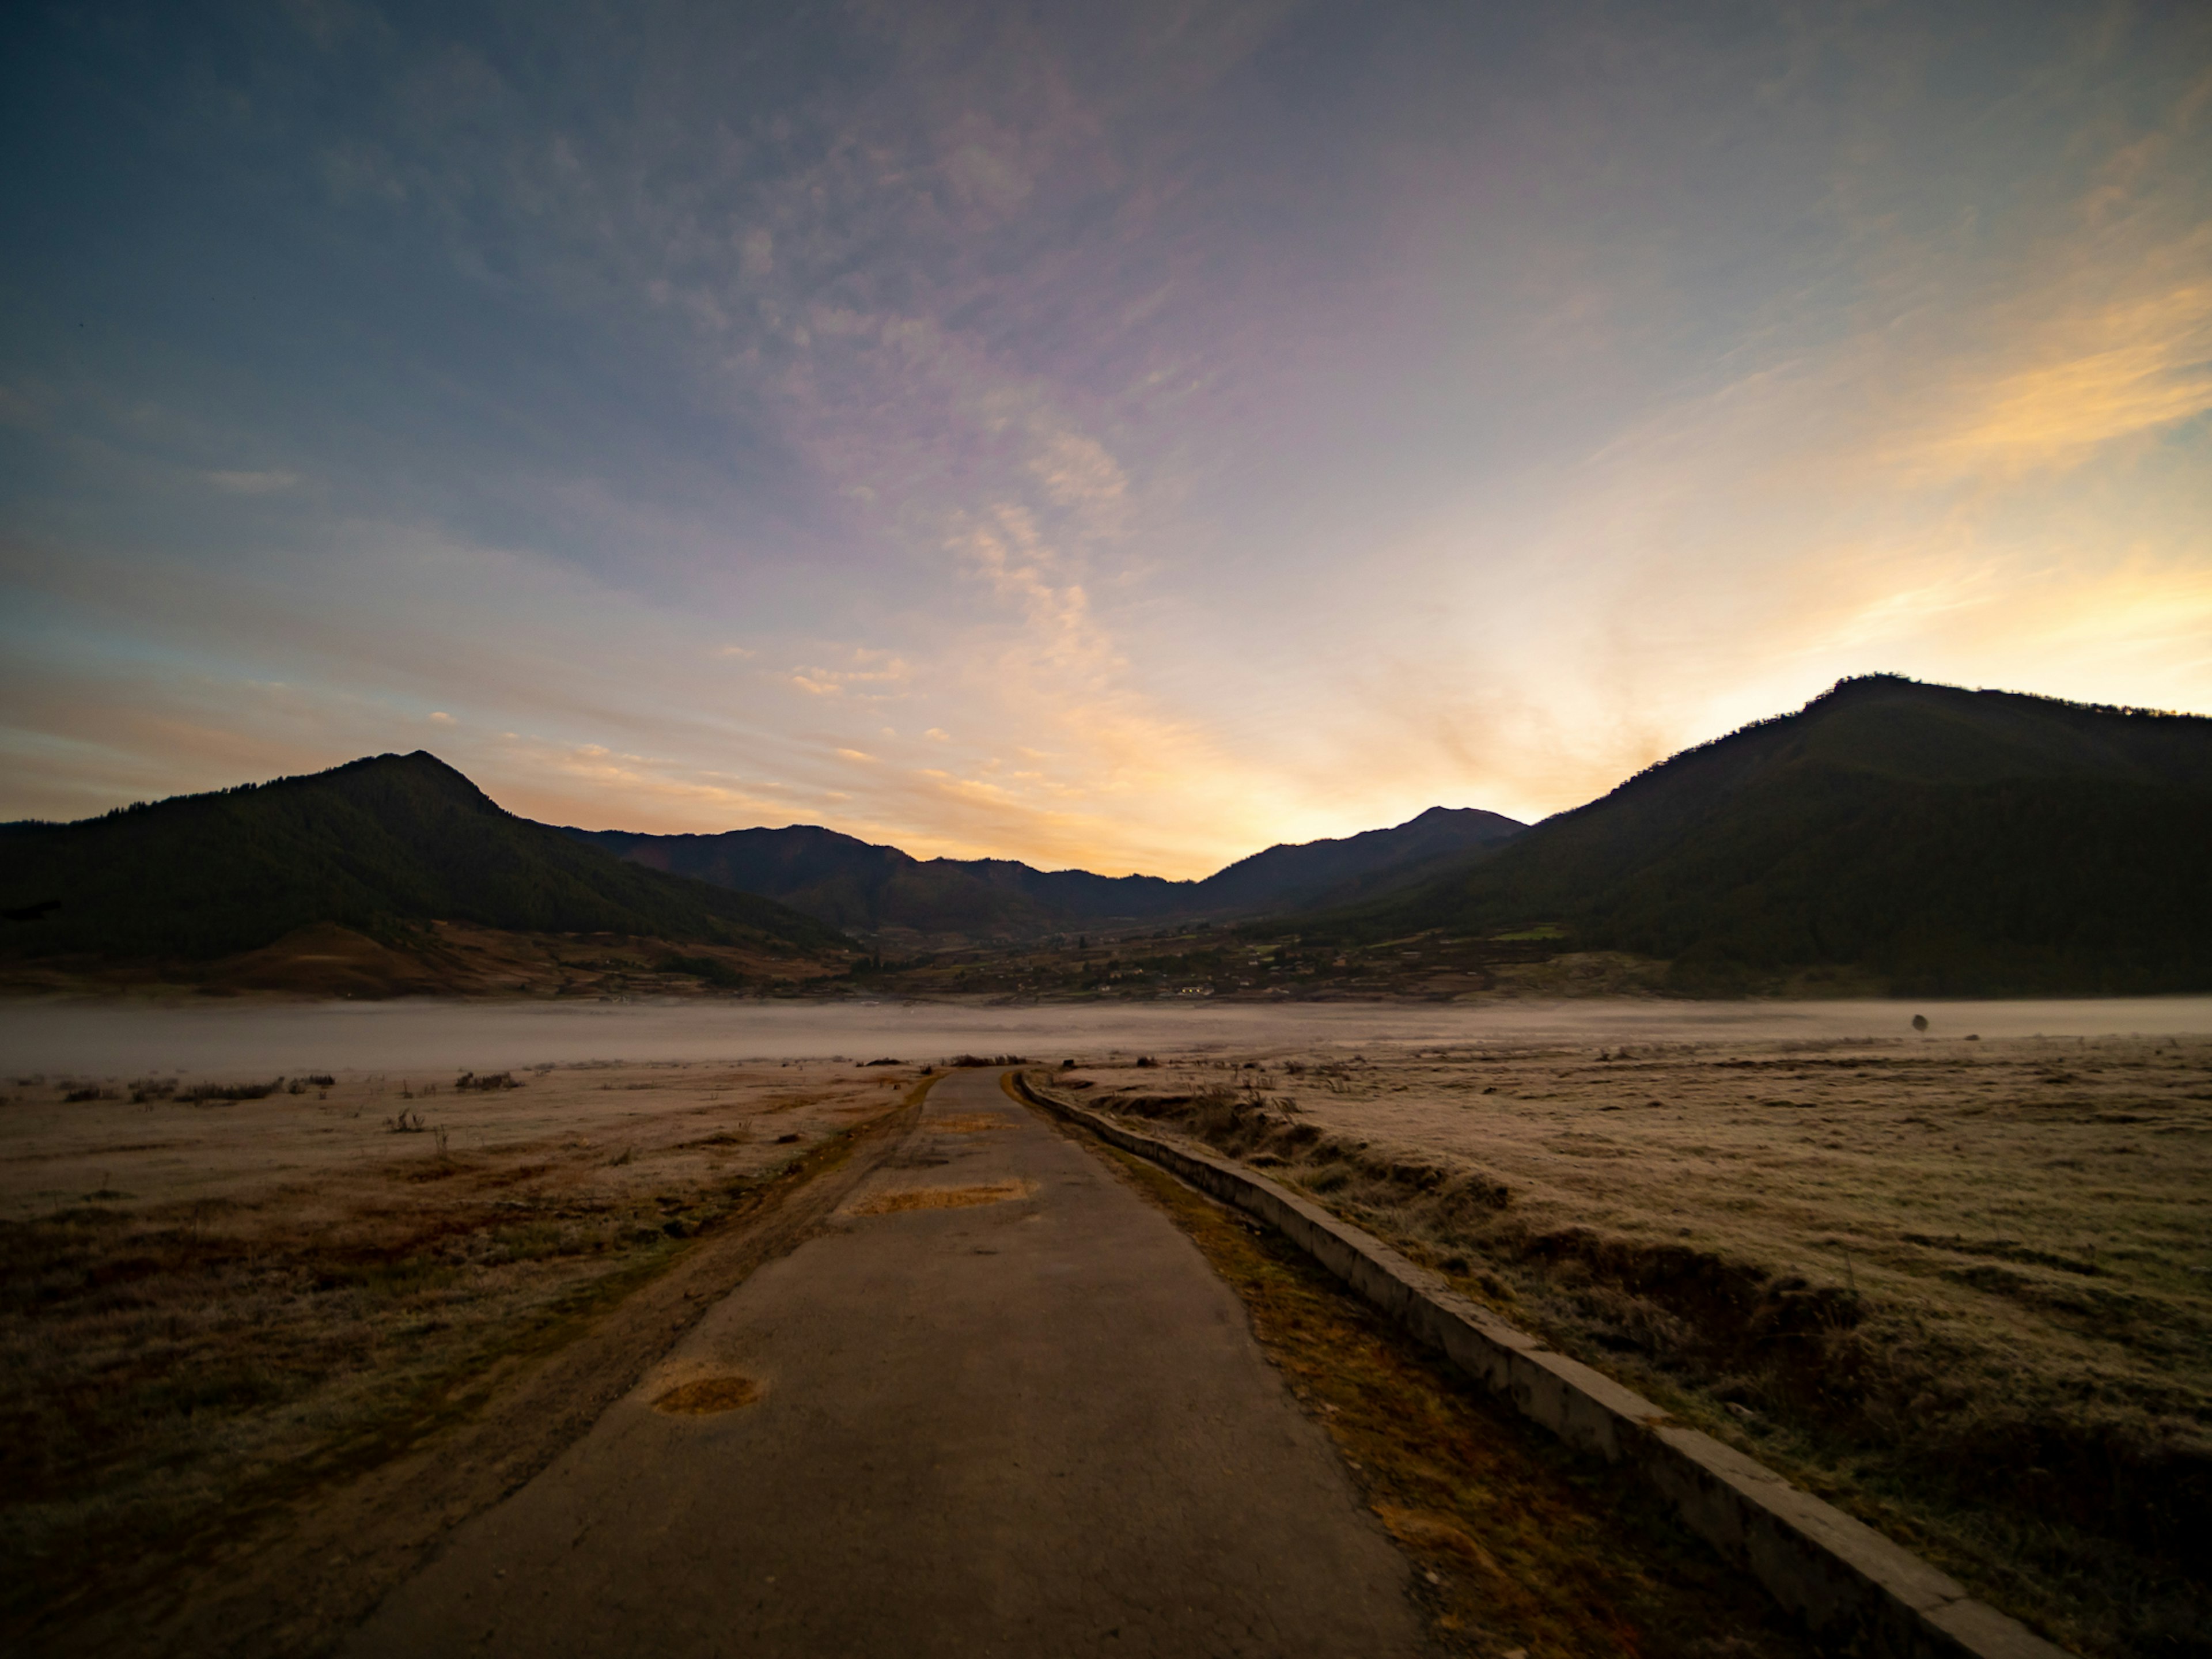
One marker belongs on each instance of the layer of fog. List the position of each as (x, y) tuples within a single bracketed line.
[(107, 1040)]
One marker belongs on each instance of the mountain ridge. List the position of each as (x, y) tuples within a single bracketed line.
[(1948, 840), (376, 846), (866, 886), (1927, 838)]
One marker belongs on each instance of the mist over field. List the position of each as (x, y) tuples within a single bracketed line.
[(94, 1040)]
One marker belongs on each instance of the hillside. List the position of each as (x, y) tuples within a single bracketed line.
[(1946, 840), (856, 885), (375, 847), (1341, 871)]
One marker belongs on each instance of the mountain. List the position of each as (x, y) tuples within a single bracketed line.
[(373, 847), (856, 885), (1949, 840), (1318, 872)]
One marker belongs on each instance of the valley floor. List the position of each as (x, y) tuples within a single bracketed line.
[(1961, 1284), (1960, 1287)]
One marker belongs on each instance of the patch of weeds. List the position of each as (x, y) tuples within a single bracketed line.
[(204, 1094), (535, 1241), (392, 1280)]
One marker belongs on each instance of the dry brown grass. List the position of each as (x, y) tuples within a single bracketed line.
[(942, 1197), (708, 1396), (968, 1123), (1958, 1287), (211, 1307)]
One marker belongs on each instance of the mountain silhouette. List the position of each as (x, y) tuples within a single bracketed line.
[(372, 846), (856, 885), (1950, 841)]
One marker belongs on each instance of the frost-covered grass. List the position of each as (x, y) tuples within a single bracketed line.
[(209, 1307), (1958, 1287)]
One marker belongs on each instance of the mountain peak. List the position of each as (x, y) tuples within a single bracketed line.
[(375, 845), (416, 763), (856, 885), (1942, 838)]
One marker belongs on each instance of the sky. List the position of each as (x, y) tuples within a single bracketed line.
[(1117, 436)]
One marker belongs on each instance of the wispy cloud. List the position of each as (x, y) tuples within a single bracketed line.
[(1202, 426), (2129, 367), (254, 483)]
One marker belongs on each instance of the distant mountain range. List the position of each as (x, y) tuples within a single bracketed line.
[(374, 847), (864, 888), (1945, 840), (1933, 839), (381, 845)]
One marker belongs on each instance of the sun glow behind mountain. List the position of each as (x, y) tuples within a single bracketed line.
[(1124, 440)]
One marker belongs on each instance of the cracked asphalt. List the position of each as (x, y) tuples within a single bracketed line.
[(1032, 1425)]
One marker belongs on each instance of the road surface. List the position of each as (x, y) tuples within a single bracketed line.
[(1036, 1424)]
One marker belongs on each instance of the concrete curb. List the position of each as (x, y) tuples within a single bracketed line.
[(1848, 1582)]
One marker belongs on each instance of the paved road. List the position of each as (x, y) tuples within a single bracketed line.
[(1033, 1426)]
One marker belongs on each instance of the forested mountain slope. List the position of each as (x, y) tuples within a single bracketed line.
[(1948, 840), (1356, 867), (370, 846), (856, 885)]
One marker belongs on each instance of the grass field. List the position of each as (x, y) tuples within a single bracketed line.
[(1958, 1287), (214, 1303)]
